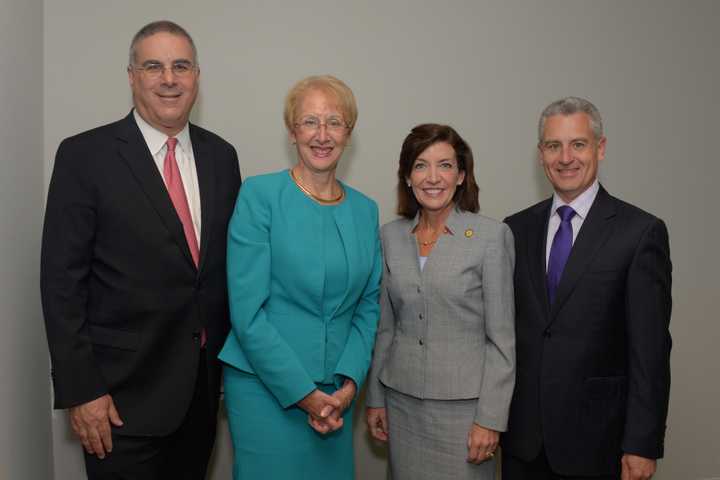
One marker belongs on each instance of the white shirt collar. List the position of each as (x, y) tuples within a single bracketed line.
[(155, 139), (582, 202)]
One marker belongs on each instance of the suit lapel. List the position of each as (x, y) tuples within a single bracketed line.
[(595, 231), (537, 244), (206, 182), (134, 152)]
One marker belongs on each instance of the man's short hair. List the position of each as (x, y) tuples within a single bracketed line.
[(568, 106), (160, 26)]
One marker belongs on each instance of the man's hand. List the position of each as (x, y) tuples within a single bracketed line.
[(320, 407), (91, 423), (481, 443), (635, 467), (377, 423)]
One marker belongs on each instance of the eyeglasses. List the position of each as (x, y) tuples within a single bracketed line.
[(181, 68), (311, 123)]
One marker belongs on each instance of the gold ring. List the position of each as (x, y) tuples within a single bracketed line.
[(491, 454)]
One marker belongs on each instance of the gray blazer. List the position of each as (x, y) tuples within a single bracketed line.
[(447, 332)]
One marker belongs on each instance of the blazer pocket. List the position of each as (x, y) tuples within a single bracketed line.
[(603, 412), (604, 401), (606, 266), (111, 337), (605, 273), (600, 387)]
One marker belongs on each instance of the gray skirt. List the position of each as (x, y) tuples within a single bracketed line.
[(428, 439)]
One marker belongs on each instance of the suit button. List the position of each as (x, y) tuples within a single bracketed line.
[(420, 341), (420, 316), (196, 335), (419, 290), (547, 333)]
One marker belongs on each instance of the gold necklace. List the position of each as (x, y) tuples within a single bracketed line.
[(310, 194), (430, 242)]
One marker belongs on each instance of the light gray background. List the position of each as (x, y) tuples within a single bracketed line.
[(488, 68), (25, 446)]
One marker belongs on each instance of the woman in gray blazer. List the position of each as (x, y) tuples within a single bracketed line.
[(443, 369)]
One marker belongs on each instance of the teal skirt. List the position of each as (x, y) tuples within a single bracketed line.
[(275, 443)]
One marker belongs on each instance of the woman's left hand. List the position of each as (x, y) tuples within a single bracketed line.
[(482, 443), (345, 394)]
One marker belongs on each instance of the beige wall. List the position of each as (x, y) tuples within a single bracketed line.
[(25, 446), (488, 68)]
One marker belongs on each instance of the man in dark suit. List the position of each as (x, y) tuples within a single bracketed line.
[(133, 273), (592, 294)]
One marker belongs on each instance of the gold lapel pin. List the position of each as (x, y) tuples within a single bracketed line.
[(469, 233)]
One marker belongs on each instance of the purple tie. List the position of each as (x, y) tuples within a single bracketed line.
[(560, 250)]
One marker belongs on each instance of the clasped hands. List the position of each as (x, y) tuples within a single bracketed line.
[(325, 411)]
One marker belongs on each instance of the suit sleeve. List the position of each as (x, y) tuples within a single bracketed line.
[(235, 165), (65, 266), (499, 305), (355, 358), (383, 339), (249, 273), (648, 304)]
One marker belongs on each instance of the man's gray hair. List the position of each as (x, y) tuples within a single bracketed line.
[(568, 106), (160, 26)]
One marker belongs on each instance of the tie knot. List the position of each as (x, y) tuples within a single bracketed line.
[(171, 142), (566, 213)]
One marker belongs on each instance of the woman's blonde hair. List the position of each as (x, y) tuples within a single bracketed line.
[(327, 84)]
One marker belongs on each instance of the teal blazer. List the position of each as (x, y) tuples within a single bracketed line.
[(276, 276)]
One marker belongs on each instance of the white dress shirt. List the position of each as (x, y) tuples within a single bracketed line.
[(156, 142), (581, 205)]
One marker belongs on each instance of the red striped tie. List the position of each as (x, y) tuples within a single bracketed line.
[(174, 184)]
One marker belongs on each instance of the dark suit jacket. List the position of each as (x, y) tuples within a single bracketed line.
[(123, 301), (593, 369)]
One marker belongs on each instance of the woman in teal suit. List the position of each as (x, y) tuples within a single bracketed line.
[(304, 267)]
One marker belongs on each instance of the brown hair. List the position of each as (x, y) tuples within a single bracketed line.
[(419, 139)]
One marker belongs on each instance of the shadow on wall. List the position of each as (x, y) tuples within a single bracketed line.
[(371, 456)]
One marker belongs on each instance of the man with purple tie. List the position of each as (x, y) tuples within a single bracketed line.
[(592, 294), (133, 273)]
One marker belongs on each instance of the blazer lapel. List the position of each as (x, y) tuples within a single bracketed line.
[(206, 182), (595, 231), (449, 247), (537, 244), (410, 248), (133, 150)]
